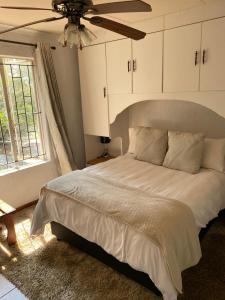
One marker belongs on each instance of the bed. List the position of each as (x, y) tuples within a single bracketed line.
[(203, 194)]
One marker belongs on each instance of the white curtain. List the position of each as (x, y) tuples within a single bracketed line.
[(51, 102)]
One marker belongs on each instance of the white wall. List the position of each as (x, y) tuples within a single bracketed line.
[(21, 187), (93, 147)]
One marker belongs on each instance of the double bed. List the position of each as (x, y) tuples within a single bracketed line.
[(202, 194)]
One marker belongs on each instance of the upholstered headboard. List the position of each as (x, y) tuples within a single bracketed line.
[(168, 114)]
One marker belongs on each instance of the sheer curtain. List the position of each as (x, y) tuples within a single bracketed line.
[(49, 92)]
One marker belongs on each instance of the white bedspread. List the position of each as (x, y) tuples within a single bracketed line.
[(204, 193)]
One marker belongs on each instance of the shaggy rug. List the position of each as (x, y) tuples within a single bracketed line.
[(61, 272)]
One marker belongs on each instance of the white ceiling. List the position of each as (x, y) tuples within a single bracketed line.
[(18, 17)]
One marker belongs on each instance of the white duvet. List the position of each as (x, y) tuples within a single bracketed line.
[(204, 193)]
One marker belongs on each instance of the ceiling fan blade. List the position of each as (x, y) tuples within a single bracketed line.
[(119, 28), (25, 8), (31, 23), (121, 7)]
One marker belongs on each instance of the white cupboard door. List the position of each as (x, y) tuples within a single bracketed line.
[(119, 67), (213, 55), (182, 48), (92, 66), (147, 64)]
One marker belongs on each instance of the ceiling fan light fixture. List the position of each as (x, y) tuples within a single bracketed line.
[(87, 36), (76, 35)]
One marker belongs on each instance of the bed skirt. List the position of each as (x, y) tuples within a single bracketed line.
[(63, 233)]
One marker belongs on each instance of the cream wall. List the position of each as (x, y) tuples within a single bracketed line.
[(21, 187)]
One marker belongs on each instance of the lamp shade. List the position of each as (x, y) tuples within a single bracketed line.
[(76, 35)]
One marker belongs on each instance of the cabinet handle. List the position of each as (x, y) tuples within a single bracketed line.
[(104, 92), (204, 56), (129, 65), (196, 58), (134, 65)]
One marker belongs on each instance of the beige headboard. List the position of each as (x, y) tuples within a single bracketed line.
[(172, 115)]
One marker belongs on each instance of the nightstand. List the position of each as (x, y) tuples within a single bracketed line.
[(99, 160)]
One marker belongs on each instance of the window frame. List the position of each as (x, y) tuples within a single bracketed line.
[(40, 158)]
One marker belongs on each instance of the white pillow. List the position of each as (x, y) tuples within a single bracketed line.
[(214, 154), (185, 151), (132, 138), (151, 145)]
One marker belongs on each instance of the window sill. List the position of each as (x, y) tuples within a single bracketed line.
[(32, 164)]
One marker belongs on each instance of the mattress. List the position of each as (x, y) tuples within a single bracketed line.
[(204, 193)]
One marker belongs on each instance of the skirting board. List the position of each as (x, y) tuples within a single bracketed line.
[(26, 205)]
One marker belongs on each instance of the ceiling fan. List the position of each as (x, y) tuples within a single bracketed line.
[(76, 33)]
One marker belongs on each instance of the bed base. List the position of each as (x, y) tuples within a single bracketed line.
[(63, 233)]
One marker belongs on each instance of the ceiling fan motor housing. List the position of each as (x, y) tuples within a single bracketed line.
[(69, 8)]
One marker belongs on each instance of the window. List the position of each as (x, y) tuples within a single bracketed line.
[(21, 141)]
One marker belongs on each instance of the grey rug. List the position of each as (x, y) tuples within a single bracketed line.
[(61, 272)]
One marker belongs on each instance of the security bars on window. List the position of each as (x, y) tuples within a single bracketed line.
[(20, 126)]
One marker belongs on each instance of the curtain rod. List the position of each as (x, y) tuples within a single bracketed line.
[(24, 44), (19, 43)]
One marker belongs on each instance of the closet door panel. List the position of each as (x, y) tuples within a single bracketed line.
[(92, 65), (119, 67), (213, 65), (147, 59), (182, 58)]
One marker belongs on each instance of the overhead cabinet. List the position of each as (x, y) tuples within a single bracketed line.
[(213, 55), (185, 59), (119, 68), (147, 64), (135, 66), (182, 47), (92, 66), (194, 57)]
